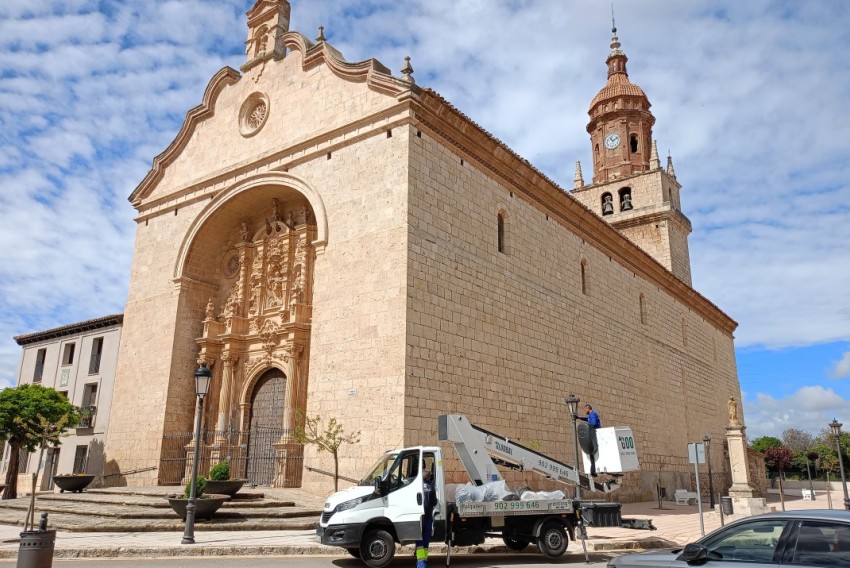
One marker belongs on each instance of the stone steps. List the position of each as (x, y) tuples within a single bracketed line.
[(149, 511)]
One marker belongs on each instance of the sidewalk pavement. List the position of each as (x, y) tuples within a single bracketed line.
[(677, 525)]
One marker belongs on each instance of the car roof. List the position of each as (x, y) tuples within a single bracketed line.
[(821, 514)]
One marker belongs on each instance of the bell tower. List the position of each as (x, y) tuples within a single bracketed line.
[(630, 190), (620, 124), (268, 21)]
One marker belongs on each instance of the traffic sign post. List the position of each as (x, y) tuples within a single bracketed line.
[(696, 456)]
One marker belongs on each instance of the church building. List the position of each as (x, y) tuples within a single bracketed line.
[(333, 239)]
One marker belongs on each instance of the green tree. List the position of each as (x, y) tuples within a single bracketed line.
[(47, 434), (765, 443), (780, 459), (797, 441), (825, 446), (329, 439), (24, 411)]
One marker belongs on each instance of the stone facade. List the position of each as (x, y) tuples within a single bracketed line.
[(442, 273)]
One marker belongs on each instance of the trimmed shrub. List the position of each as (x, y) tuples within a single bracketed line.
[(200, 486), (220, 471)]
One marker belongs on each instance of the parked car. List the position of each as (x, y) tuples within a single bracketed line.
[(792, 538)]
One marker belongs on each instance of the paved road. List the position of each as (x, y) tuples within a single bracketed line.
[(467, 561)]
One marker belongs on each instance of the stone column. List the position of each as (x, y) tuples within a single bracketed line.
[(225, 399), (741, 492), (289, 455), (738, 461)]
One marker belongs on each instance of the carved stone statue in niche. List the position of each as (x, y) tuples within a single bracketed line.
[(231, 307), (297, 286), (210, 311), (274, 286), (733, 412)]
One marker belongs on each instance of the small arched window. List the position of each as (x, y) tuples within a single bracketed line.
[(642, 309), (260, 40), (500, 220), (607, 202), (633, 142), (625, 194), (584, 276), (684, 333)]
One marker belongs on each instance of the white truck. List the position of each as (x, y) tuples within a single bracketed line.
[(386, 507)]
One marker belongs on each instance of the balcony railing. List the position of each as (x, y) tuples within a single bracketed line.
[(87, 414)]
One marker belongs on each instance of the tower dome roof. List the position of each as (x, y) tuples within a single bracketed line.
[(618, 84)]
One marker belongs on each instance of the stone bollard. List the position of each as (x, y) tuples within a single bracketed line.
[(36, 548)]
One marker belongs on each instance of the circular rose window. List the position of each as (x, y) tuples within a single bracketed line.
[(231, 264), (253, 114)]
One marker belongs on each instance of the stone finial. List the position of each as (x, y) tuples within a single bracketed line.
[(670, 171), (578, 179), (615, 41), (321, 36), (654, 160), (407, 71)]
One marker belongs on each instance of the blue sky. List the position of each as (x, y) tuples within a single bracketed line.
[(750, 99)]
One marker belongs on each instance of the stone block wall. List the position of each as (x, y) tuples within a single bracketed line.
[(504, 337)]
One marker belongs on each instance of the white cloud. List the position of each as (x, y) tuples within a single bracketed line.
[(810, 409), (842, 367), (746, 95)]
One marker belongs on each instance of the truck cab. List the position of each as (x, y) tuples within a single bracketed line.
[(385, 507)]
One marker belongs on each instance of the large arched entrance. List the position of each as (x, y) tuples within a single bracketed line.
[(266, 426), (245, 275)]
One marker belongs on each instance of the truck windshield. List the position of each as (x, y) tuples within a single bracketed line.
[(379, 470)]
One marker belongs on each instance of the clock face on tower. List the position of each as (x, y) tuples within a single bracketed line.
[(612, 141)]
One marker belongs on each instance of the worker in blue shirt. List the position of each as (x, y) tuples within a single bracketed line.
[(594, 422), (592, 417)]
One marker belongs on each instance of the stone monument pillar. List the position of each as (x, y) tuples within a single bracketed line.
[(741, 492)]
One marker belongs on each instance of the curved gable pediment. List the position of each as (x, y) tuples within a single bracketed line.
[(370, 72), (225, 77)]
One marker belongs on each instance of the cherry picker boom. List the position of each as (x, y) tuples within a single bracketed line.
[(481, 450)]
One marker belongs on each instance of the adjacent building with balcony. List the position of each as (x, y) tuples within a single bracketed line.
[(79, 361)]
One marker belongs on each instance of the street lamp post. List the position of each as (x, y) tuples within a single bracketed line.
[(572, 402), (707, 441), (203, 377), (835, 426)]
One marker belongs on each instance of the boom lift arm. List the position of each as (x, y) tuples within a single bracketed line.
[(481, 450)]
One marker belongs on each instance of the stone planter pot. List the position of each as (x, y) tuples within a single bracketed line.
[(205, 506), (226, 487), (72, 483)]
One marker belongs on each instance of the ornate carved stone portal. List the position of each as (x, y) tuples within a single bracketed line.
[(258, 326)]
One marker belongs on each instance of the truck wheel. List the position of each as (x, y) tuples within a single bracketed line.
[(355, 552), (519, 543), (552, 541), (377, 548)]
